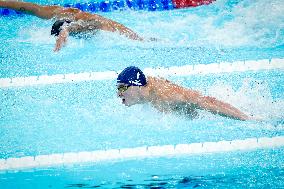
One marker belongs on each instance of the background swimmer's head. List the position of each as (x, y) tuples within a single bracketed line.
[(56, 27), (132, 76)]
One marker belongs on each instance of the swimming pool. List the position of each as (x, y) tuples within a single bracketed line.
[(51, 123)]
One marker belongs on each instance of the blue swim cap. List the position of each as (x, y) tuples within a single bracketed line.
[(132, 76)]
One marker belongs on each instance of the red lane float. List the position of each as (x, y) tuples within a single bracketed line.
[(190, 3)]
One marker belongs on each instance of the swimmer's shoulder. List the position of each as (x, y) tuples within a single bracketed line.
[(72, 14)]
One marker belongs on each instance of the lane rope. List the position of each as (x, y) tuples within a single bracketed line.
[(120, 5), (248, 144), (213, 68)]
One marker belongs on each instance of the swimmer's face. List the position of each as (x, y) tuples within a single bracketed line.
[(128, 94)]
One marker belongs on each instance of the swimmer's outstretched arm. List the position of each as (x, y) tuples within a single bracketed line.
[(218, 107), (113, 26), (178, 94), (96, 23), (128, 33), (44, 12)]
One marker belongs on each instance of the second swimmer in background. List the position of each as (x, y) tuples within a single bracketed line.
[(70, 21)]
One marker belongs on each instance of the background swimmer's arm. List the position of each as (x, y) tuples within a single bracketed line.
[(126, 32), (113, 26), (45, 12), (82, 26), (73, 27), (103, 24), (61, 39)]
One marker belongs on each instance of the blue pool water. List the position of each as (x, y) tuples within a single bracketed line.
[(87, 116)]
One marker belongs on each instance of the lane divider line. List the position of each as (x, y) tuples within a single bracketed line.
[(213, 68), (248, 144)]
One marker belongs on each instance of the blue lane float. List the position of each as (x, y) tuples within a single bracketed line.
[(119, 5), (9, 12), (108, 6)]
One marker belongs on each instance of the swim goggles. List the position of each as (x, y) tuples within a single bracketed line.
[(122, 88)]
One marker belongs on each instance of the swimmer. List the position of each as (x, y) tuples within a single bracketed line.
[(70, 21), (133, 87)]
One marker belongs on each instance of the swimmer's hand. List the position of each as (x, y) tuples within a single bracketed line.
[(61, 40)]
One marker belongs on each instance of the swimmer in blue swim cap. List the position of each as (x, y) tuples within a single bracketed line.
[(129, 83), (70, 21), (133, 87)]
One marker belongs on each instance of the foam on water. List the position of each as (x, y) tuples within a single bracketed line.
[(36, 35), (246, 24)]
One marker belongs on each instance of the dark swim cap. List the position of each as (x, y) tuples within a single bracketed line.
[(56, 27), (132, 76)]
